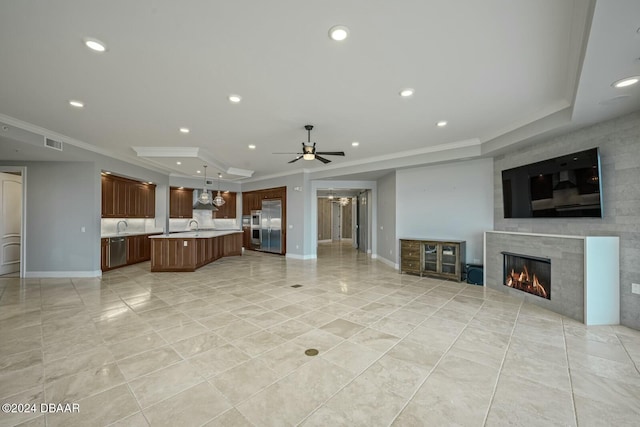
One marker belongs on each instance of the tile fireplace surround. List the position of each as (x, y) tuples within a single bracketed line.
[(584, 269)]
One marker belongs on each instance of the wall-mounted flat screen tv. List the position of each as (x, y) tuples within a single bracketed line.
[(566, 186)]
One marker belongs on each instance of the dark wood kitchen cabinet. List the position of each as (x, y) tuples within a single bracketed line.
[(126, 198), (180, 202), (228, 210), (104, 254)]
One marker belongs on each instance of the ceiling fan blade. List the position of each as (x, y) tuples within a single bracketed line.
[(295, 160), (331, 153), (286, 153), (322, 159)]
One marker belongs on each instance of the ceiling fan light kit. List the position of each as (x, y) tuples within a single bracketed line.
[(309, 150)]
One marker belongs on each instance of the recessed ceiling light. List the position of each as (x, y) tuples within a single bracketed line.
[(405, 93), (178, 163), (150, 182), (108, 173), (95, 45), (198, 172), (355, 143), (626, 81), (338, 33), (180, 188), (252, 147), (235, 98), (184, 130), (441, 123), (76, 103)]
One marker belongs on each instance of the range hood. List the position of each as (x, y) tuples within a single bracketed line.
[(201, 206), (566, 181)]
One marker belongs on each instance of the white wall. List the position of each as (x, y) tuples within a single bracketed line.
[(449, 201)]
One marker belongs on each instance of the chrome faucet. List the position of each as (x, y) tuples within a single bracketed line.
[(118, 225), (193, 220)]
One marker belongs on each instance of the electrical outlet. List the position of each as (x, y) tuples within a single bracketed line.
[(83, 229), (185, 243), (635, 288)]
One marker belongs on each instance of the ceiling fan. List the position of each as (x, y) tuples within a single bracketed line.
[(309, 151)]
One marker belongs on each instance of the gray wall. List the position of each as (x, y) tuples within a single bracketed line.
[(61, 198), (386, 206), (619, 142), (449, 201)]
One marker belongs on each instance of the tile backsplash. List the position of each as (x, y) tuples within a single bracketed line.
[(134, 225)]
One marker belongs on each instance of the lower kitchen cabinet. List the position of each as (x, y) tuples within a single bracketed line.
[(104, 254), (138, 250)]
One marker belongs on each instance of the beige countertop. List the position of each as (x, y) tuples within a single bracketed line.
[(203, 234), (129, 233)]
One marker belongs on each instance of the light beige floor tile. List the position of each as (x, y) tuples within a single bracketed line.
[(291, 399), (136, 345), (360, 403), (72, 388), (231, 418), (268, 319), (166, 382), (101, 409), (192, 407), (549, 402), (135, 420), (245, 380), (342, 328), (595, 413), (89, 360), (218, 321), (197, 344), (239, 329), (34, 396), (401, 378), (374, 339), (149, 361), (182, 331), (316, 318), (290, 329), (318, 339), (354, 358), (285, 358), (217, 360), (605, 390), (258, 343)]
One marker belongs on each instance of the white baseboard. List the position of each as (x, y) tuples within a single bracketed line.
[(386, 261), (59, 274), (303, 257)]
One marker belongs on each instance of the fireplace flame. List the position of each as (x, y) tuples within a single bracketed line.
[(525, 282)]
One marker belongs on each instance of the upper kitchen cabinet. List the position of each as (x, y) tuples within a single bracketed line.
[(126, 198), (228, 210), (252, 200), (180, 202)]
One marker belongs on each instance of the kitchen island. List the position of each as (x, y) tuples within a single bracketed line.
[(191, 250)]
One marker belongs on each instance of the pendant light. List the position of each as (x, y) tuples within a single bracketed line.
[(218, 200), (204, 197)]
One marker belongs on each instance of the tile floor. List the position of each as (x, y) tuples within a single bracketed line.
[(224, 346)]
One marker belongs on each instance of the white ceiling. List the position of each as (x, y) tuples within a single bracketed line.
[(499, 71)]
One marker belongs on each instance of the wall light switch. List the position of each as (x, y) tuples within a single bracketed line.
[(83, 229), (185, 243), (635, 288), (290, 226)]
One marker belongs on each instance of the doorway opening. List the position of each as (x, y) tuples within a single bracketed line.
[(12, 221)]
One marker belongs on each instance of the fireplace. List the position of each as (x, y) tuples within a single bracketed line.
[(528, 273)]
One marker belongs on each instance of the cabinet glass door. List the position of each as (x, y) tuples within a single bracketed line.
[(449, 257), (430, 257)]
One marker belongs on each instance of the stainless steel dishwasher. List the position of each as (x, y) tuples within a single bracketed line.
[(117, 251)]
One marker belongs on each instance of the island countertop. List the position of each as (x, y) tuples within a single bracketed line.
[(204, 234)]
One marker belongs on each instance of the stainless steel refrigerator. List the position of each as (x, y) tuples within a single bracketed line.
[(271, 236)]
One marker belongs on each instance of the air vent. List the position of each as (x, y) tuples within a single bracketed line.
[(209, 182), (50, 143)]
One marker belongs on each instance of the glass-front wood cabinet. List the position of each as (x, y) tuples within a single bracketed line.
[(438, 258)]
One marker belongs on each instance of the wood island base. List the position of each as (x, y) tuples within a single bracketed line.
[(189, 251)]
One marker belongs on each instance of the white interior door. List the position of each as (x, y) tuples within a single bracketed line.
[(10, 222)]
